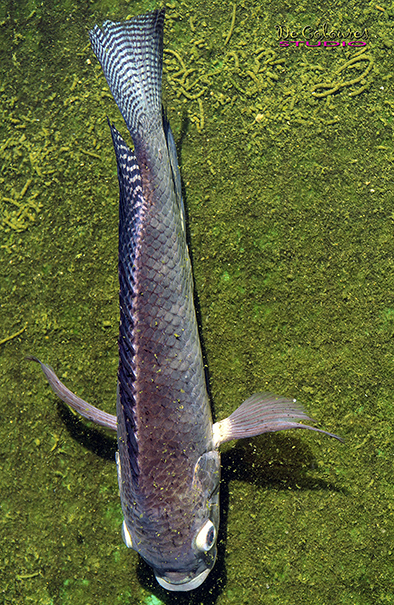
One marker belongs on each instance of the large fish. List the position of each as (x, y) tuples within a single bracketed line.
[(168, 460)]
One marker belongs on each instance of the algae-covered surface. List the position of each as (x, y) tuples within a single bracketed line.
[(287, 159)]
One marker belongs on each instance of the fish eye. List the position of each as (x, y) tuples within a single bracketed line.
[(205, 538)]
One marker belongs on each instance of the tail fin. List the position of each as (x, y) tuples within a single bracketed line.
[(131, 55)]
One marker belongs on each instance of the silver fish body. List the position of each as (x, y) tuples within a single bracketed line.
[(168, 460), (168, 468)]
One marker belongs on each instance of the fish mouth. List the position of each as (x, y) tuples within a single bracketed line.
[(181, 582)]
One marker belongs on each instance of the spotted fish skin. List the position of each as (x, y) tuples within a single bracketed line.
[(169, 472)]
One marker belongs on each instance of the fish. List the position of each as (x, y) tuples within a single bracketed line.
[(168, 459)]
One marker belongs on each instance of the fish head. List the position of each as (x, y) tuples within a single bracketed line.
[(189, 577), (178, 539), (196, 552)]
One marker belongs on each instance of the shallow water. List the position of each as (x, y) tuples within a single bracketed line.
[(289, 202)]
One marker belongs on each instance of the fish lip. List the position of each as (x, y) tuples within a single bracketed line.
[(182, 585)]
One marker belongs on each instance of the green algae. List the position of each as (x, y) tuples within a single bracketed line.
[(290, 224)]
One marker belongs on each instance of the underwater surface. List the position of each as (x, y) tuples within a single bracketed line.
[(287, 162)]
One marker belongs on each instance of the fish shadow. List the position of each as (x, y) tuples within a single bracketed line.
[(97, 440), (280, 461)]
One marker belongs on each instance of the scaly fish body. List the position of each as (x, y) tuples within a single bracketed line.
[(161, 384), (168, 460)]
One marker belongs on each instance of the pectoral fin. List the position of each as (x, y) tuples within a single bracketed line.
[(263, 413), (76, 403)]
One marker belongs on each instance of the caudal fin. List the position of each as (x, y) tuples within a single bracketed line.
[(131, 55)]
